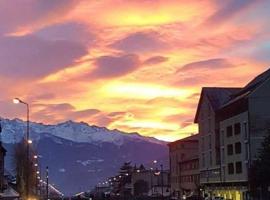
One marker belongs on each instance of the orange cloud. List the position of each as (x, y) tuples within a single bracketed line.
[(136, 65)]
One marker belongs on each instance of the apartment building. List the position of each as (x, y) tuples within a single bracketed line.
[(232, 124), (211, 100), (244, 121), (184, 166), (190, 176)]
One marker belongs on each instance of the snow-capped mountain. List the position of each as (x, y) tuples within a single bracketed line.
[(80, 155), (14, 130)]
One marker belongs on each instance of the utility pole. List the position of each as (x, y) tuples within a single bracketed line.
[(47, 182)]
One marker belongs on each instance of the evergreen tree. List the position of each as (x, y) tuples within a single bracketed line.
[(260, 169)]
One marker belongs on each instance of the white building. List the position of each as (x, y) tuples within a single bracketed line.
[(209, 139), (244, 121), (232, 124)]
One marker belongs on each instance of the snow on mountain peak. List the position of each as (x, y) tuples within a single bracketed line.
[(80, 132)]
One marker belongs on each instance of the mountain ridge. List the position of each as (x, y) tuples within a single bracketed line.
[(79, 155)]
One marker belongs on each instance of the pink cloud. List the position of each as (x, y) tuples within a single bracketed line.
[(32, 57), (140, 42), (18, 13), (115, 66)]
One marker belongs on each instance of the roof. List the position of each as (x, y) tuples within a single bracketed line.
[(217, 96), (192, 138), (249, 88)]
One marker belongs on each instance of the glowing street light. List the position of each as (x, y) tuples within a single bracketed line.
[(19, 101)]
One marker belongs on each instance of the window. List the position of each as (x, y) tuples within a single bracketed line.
[(229, 131), (230, 168), (238, 147), (238, 167), (237, 129), (230, 149), (182, 156)]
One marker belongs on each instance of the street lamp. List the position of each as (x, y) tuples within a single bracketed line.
[(17, 101)]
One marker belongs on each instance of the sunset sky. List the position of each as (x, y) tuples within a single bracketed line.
[(132, 65)]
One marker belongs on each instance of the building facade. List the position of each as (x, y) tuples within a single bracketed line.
[(184, 166), (244, 122), (232, 125), (209, 137)]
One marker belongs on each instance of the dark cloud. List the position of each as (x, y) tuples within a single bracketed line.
[(117, 114), (61, 111), (115, 66), (70, 31), (32, 57), (218, 63), (228, 9), (187, 122), (155, 60), (41, 96), (84, 113), (19, 13), (140, 42)]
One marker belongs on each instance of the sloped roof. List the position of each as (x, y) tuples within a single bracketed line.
[(217, 96), (192, 138), (255, 83), (250, 87)]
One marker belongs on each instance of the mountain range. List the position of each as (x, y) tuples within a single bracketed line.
[(79, 155)]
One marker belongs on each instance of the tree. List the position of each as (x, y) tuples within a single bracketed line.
[(140, 188), (125, 178), (260, 169), (21, 167)]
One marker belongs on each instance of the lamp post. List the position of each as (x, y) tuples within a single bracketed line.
[(17, 101), (47, 183)]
